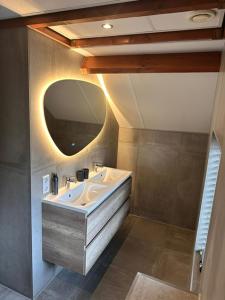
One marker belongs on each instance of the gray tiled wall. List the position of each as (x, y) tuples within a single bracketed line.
[(168, 173), (49, 62), (15, 207)]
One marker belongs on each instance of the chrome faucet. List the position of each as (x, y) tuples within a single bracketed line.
[(69, 179), (97, 166)]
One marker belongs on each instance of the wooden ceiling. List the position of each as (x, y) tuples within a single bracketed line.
[(185, 62)]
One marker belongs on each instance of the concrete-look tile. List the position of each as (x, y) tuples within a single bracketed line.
[(168, 173), (112, 250), (68, 168), (151, 232), (14, 121), (75, 294), (115, 284), (155, 161), (137, 255), (127, 156), (127, 160), (173, 267), (166, 138), (71, 278), (48, 295), (59, 288), (156, 169), (194, 142), (42, 272), (111, 155), (3, 292), (86, 283), (128, 224), (11, 295), (190, 168), (15, 265), (129, 135), (81, 295), (180, 239), (164, 235), (2, 288), (99, 154)]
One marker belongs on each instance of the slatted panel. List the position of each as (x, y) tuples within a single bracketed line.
[(208, 195)]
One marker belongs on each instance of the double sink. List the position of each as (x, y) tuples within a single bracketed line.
[(86, 196)]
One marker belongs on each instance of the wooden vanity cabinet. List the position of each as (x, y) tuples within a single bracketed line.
[(75, 240)]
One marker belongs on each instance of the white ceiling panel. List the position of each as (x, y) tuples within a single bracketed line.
[(173, 47), (27, 7), (94, 29), (181, 21), (179, 102)]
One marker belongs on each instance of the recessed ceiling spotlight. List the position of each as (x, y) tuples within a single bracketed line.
[(107, 26), (203, 16)]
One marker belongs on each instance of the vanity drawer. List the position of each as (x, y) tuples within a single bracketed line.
[(97, 246), (99, 217)]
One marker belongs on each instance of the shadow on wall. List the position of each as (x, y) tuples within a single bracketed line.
[(168, 169)]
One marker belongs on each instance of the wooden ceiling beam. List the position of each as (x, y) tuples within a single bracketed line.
[(149, 38), (153, 63), (54, 35), (112, 11)]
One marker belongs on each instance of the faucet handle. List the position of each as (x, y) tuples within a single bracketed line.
[(97, 166), (71, 178), (68, 180)]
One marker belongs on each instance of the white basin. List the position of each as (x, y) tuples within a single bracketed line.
[(109, 176), (70, 195), (86, 196)]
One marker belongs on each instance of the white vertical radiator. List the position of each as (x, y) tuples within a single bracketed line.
[(208, 196)]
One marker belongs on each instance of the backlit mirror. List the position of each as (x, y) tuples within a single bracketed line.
[(75, 113)]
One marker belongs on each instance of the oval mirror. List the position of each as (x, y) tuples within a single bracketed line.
[(75, 114)]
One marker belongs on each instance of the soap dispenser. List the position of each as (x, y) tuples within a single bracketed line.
[(55, 184)]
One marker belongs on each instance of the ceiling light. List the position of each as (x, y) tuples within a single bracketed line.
[(107, 26), (203, 16)]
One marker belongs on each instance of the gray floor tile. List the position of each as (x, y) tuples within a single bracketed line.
[(173, 267), (7, 294), (157, 249), (141, 245), (3, 292)]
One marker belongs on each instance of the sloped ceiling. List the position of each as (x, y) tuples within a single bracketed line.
[(177, 102)]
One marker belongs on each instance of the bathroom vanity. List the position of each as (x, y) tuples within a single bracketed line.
[(80, 221)]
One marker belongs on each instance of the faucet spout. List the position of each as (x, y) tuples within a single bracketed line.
[(69, 179), (97, 166)]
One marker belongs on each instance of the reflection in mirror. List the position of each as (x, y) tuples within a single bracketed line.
[(74, 113)]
